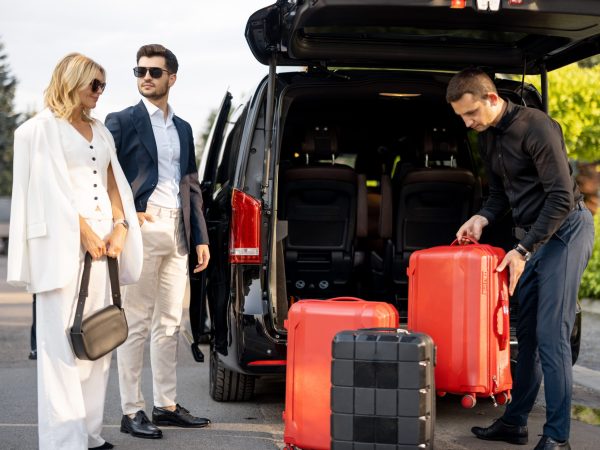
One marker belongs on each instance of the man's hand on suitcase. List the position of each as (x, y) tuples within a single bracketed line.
[(471, 229), (516, 264)]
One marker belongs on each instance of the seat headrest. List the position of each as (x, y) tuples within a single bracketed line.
[(440, 145), (321, 141)]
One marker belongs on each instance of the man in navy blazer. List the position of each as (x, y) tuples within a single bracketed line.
[(156, 151)]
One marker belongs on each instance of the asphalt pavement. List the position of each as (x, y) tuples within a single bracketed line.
[(255, 425)]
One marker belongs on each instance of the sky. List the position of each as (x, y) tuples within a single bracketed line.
[(206, 36)]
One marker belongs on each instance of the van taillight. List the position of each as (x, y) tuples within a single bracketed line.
[(244, 242)]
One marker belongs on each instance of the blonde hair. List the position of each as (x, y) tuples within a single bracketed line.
[(72, 73)]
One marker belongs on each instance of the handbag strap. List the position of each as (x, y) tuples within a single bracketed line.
[(113, 273)]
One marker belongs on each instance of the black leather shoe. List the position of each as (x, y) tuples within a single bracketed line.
[(140, 426), (107, 445), (501, 431), (181, 417), (547, 443)]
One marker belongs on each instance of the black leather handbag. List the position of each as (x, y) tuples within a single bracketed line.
[(104, 330)]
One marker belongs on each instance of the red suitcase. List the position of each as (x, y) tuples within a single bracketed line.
[(312, 325), (456, 296)]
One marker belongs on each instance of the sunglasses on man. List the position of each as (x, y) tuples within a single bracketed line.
[(155, 72), (97, 85)]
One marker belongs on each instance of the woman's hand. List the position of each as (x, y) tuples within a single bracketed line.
[(90, 240), (115, 241)]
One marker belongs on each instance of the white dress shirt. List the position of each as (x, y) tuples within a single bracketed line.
[(166, 193), (87, 163)]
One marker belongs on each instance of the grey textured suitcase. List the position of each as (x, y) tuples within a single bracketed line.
[(382, 393)]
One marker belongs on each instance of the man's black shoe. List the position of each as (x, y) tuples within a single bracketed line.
[(33, 354), (501, 431), (181, 417), (547, 443), (106, 446), (140, 426)]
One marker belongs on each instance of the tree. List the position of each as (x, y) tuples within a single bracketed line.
[(203, 137), (8, 123), (589, 62)]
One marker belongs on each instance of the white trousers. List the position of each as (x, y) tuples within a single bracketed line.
[(154, 305), (71, 392)]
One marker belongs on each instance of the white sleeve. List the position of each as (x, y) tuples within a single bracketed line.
[(18, 254)]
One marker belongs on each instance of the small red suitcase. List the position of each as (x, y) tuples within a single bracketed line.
[(456, 296), (312, 325)]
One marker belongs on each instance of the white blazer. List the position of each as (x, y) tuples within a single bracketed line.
[(44, 241)]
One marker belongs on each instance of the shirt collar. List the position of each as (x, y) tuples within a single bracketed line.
[(153, 109), (507, 117)]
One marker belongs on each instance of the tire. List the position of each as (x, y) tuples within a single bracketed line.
[(227, 385)]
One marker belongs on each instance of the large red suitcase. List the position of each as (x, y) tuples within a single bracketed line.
[(456, 296), (312, 325)]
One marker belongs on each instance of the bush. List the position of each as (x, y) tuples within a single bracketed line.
[(590, 283)]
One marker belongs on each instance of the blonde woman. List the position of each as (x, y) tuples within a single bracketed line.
[(69, 196)]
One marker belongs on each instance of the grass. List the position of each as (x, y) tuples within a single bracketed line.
[(586, 414)]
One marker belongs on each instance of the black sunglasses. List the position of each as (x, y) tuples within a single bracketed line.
[(155, 72), (97, 85)]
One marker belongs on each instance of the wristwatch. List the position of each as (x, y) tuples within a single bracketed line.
[(121, 222), (526, 254)]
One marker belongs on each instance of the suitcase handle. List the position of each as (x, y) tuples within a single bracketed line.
[(386, 329), (346, 299), (504, 310), (473, 241)]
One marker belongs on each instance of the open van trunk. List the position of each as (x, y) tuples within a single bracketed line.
[(371, 166)]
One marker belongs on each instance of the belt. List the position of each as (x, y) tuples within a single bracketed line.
[(580, 205), (520, 232), (163, 212)]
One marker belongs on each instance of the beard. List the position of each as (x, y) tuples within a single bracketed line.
[(158, 93)]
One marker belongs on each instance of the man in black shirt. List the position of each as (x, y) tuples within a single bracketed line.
[(526, 162)]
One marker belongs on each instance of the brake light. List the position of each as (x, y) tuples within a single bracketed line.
[(515, 2), (277, 362), (244, 239), (459, 4)]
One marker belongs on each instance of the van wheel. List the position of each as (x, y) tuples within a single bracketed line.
[(227, 385)]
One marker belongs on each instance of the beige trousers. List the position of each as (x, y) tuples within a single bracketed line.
[(70, 391), (154, 306)]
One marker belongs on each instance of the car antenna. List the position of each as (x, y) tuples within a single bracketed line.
[(523, 77)]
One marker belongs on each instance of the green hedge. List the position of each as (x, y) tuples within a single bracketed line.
[(590, 283)]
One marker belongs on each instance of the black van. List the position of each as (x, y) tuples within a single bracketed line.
[(328, 177)]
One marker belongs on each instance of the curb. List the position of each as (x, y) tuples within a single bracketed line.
[(586, 377)]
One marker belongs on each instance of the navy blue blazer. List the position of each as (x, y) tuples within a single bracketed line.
[(136, 150)]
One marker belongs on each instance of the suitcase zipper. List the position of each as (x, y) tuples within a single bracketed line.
[(495, 386)]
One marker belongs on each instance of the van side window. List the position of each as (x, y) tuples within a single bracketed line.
[(228, 153)]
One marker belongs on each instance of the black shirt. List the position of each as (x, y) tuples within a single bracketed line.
[(528, 169)]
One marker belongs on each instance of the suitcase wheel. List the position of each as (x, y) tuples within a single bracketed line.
[(441, 393), (503, 398), (468, 401)]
